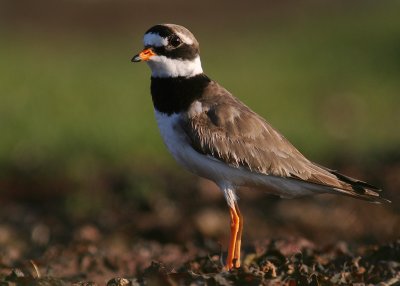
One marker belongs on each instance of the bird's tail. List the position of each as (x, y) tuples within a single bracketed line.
[(358, 189)]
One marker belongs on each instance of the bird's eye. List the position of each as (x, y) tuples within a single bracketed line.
[(175, 41)]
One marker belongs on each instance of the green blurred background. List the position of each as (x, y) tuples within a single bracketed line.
[(74, 109), (325, 74)]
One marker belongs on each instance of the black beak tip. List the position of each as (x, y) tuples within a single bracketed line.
[(136, 59)]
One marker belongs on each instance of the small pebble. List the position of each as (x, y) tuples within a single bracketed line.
[(118, 281)]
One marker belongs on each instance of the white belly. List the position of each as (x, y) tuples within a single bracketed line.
[(222, 174)]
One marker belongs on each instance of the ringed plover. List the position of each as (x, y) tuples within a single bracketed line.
[(214, 135)]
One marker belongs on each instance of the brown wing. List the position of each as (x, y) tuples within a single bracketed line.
[(221, 126)]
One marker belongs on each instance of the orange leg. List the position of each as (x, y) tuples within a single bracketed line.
[(236, 257), (233, 259)]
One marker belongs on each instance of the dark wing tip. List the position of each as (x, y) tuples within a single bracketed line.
[(358, 189), (369, 196), (356, 184)]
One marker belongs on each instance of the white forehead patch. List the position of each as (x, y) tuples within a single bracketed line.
[(155, 40)]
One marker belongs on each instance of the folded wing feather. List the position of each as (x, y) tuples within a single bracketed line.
[(225, 128)]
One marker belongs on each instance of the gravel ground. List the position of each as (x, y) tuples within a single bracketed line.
[(108, 231)]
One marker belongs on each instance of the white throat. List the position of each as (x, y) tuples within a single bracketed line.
[(161, 66)]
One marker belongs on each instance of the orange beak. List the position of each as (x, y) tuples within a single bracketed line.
[(145, 55)]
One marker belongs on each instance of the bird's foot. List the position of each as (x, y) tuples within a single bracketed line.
[(235, 263)]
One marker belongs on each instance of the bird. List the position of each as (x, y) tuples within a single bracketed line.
[(213, 134)]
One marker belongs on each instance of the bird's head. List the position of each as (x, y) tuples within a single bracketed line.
[(170, 51)]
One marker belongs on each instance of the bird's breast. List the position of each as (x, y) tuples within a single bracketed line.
[(179, 146), (172, 135), (203, 165)]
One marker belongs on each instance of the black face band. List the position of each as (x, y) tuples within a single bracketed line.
[(183, 51)]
